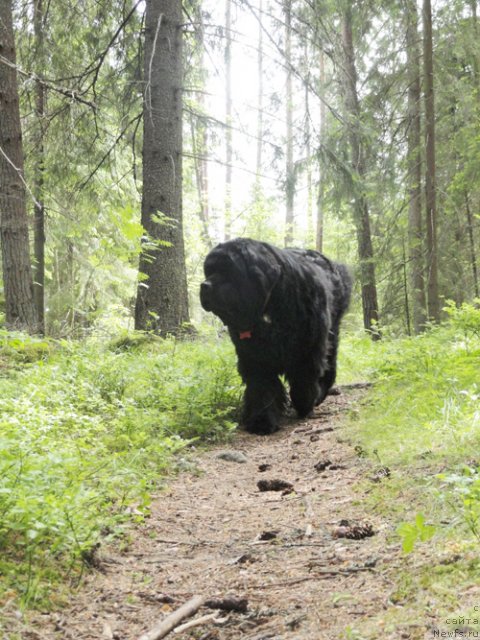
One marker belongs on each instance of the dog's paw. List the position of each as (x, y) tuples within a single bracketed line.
[(261, 426)]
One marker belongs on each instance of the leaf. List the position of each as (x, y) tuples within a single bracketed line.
[(411, 533)]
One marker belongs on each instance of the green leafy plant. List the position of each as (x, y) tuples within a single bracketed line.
[(413, 532), (87, 432), (465, 317), (463, 495)]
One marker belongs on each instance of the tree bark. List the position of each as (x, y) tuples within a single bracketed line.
[(17, 269), (228, 119), (360, 206), (433, 302), (471, 241), (321, 163), (470, 218), (200, 148), (162, 301), (38, 172), (414, 160), (199, 129), (259, 100), (476, 65), (290, 173), (308, 144)]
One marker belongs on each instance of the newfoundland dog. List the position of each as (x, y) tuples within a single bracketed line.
[(282, 308)]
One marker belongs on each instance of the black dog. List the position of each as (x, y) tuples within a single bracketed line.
[(283, 309)]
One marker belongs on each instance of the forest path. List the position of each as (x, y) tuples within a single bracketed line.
[(214, 533)]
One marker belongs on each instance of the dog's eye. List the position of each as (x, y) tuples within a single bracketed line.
[(214, 279)]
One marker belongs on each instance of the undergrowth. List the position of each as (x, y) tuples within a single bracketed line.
[(86, 432), (423, 407), (421, 419)]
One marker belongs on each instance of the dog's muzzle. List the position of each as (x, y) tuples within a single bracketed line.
[(206, 295)]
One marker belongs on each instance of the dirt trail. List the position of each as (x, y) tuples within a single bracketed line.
[(215, 533)]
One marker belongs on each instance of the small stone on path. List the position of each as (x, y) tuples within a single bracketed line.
[(233, 456)]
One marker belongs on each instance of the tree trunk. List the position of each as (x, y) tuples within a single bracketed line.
[(290, 173), (471, 241), (433, 302), (405, 292), (17, 269), (162, 302), (259, 101), (470, 218), (199, 130), (228, 119), (476, 70), (38, 172), (360, 206), (308, 145), (200, 148), (415, 227), (321, 163)]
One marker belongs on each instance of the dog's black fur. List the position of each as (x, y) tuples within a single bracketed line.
[(283, 309)]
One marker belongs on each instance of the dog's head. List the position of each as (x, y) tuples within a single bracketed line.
[(240, 276)]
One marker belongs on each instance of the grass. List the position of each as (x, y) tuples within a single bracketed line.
[(87, 431), (422, 419)]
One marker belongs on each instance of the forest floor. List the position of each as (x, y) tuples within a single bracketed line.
[(214, 533)]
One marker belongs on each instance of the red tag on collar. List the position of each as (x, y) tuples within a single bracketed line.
[(245, 334)]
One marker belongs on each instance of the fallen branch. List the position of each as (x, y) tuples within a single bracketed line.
[(163, 628), (320, 568), (171, 622), (196, 623), (316, 574)]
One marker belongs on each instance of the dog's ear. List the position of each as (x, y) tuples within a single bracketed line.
[(261, 266), (218, 260), (267, 274)]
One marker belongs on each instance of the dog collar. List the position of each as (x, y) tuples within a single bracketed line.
[(244, 335)]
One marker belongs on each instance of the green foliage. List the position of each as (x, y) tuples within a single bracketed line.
[(414, 532), (463, 489), (465, 317), (85, 436), (423, 391), (357, 357), (21, 348), (422, 419)]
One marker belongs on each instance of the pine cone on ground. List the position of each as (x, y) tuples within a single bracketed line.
[(350, 531)]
